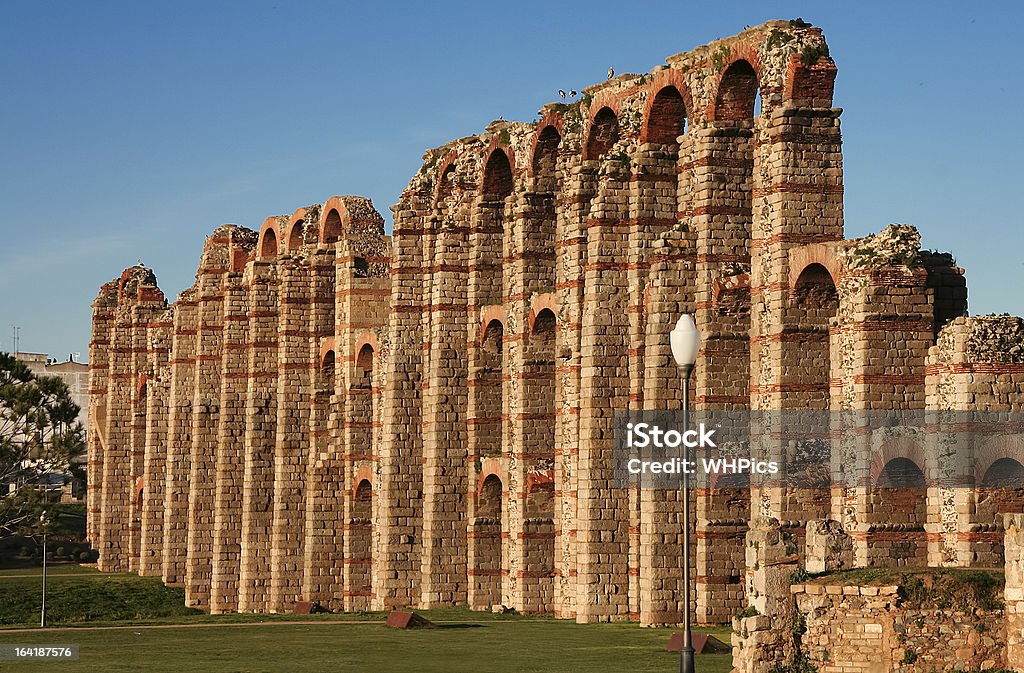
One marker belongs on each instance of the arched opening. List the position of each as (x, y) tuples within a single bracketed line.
[(545, 160), (445, 190), (363, 405), (538, 387), (899, 503), (667, 118), (543, 330), (497, 183), (737, 93), (446, 184), (1000, 491), (485, 411), (359, 563), (326, 379), (537, 429), (486, 548), (490, 498), (604, 132), (541, 214), (488, 240), (815, 303), (332, 226), (901, 473), (295, 235), (268, 247), (493, 335), (364, 367), (806, 354), (1004, 473)]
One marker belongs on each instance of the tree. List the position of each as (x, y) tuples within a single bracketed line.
[(40, 442)]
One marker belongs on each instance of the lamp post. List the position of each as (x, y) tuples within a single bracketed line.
[(42, 612), (685, 340)]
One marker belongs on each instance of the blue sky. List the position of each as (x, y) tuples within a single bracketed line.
[(131, 130)]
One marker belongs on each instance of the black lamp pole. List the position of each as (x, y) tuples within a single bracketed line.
[(42, 610), (686, 651)]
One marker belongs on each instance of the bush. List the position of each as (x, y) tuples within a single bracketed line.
[(749, 611)]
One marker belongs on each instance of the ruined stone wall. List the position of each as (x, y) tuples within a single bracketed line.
[(1013, 591), (839, 619), (976, 365), (916, 626), (332, 415)]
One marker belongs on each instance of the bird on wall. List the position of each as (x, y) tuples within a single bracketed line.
[(561, 93), (611, 73), (572, 94)]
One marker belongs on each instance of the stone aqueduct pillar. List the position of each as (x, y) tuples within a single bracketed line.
[(124, 310), (154, 468), (229, 456)]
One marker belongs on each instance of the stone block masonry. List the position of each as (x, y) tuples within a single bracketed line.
[(331, 414)]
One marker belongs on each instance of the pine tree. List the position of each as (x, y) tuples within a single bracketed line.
[(40, 440)]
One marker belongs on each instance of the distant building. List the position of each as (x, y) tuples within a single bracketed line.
[(75, 375)]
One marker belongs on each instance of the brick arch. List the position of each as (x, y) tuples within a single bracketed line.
[(739, 52), (327, 345), (488, 315), (293, 228), (597, 108), (330, 230), (365, 338), (270, 236), (492, 467), (334, 221), (909, 448), (140, 486), (541, 149), (540, 302), (443, 166), (491, 183), (822, 254), (663, 80), (994, 449), (551, 119), (141, 385), (362, 474)]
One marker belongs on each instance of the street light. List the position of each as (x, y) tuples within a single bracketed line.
[(685, 340), (42, 612)]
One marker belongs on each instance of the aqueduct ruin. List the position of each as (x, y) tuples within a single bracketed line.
[(332, 414)]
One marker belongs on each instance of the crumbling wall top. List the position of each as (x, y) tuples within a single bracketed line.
[(995, 339), (785, 62), (896, 245)]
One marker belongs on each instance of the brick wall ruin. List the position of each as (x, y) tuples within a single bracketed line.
[(331, 414)]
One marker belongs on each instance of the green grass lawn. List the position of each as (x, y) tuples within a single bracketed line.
[(490, 647), (55, 569), (477, 642)]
